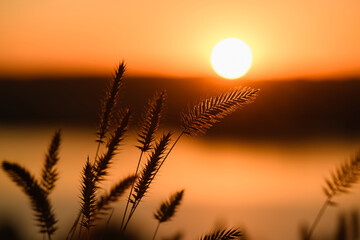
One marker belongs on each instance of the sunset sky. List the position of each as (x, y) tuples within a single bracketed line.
[(289, 38)]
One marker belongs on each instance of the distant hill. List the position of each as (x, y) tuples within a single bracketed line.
[(284, 109)]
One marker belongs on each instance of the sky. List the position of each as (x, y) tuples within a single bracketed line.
[(288, 38)]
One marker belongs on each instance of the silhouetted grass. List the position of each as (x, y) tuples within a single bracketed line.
[(49, 172), (36, 191), (109, 102), (116, 191), (102, 163), (151, 121), (148, 126), (88, 196), (210, 111), (167, 209), (223, 234), (341, 182), (111, 132), (112, 128)]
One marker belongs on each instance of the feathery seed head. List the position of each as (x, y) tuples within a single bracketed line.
[(343, 178), (115, 192), (210, 111), (151, 121), (103, 162), (223, 234), (110, 101), (151, 167), (40, 203), (49, 172), (168, 208), (88, 194)]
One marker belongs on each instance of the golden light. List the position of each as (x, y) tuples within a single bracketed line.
[(231, 58)]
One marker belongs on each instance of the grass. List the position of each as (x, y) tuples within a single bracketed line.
[(112, 128), (341, 181), (153, 152), (38, 191)]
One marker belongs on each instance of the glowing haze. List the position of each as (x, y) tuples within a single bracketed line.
[(288, 38)]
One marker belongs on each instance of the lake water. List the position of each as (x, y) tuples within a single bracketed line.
[(269, 189)]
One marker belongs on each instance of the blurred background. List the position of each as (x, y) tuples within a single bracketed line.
[(261, 169)]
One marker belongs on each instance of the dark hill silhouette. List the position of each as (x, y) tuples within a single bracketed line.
[(284, 109)]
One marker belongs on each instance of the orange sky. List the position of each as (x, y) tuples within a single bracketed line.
[(289, 38)]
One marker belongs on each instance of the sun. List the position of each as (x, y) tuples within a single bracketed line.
[(231, 58)]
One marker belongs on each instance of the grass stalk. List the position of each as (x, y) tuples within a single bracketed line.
[(110, 102), (167, 154), (97, 151), (49, 172), (194, 123), (150, 124), (135, 205), (73, 228), (156, 230), (168, 209), (131, 190), (132, 210), (326, 204), (40, 203), (147, 174), (341, 181)]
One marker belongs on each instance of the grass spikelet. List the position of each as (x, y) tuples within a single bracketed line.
[(223, 234), (40, 203), (88, 190), (344, 177), (151, 121), (148, 173), (150, 168), (341, 181), (210, 111), (149, 125), (102, 163), (49, 172), (116, 191), (110, 102), (167, 209)]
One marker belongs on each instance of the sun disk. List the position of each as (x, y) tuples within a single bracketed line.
[(231, 58)]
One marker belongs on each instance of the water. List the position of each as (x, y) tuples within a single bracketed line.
[(269, 189)]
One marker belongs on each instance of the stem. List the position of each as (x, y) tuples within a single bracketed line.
[(130, 215), (73, 228), (97, 150), (135, 205), (156, 230), (108, 221), (317, 219), (132, 188), (82, 217), (49, 236), (162, 162), (107, 225)]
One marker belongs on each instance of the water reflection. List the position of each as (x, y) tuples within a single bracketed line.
[(268, 188)]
